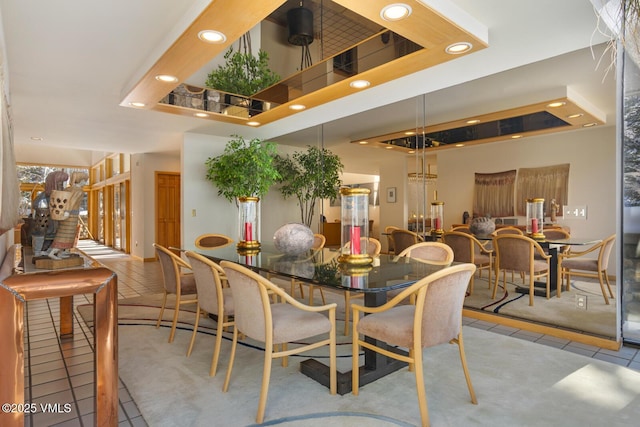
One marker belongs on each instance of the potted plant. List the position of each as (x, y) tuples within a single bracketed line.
[(310, 175), (244, 171)]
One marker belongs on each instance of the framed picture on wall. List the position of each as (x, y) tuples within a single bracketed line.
[(391, 194)]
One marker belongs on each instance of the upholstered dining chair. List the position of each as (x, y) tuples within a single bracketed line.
[(403, 238), (467, 248), (436, 318), (213, 298), (212, 240), (431, 252), (276, 325), (182, 285), (388, 232), (576, 264), (517, 253), (373, 249), (507, 230)]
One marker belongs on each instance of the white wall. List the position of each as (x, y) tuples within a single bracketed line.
[(143, 208), (214, 214), (40, 153)]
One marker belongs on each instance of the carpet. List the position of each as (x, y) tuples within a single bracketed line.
[(517, 383), (596, 318)]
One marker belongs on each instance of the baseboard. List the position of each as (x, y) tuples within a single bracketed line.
[(608, 343)]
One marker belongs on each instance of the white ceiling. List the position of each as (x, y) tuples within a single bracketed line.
[(70, 62)]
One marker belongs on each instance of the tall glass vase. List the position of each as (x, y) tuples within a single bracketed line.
[(354, 236), (248, 224), (535, 218)]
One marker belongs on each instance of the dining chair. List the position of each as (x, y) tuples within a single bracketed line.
[(431, 252), (436, 318), (212, 240), (213, 298), (388, 232), (516, 253), (462, 229), (576, 264), (467, 248), (276, 325), (182, 285), (403, 238), (507, 230)]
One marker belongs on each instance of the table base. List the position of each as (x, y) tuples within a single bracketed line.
[(320, 372)]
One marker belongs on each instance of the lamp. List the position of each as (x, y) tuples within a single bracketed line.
[(428, 177), (300, 21)]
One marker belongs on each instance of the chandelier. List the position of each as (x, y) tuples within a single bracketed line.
[(422, 177)]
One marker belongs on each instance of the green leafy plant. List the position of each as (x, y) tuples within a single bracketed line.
[(242, 73), (310, 175), (245, 168)]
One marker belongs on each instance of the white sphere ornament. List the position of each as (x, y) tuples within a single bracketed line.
[(293, 239)]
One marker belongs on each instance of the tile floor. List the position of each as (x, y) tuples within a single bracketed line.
[(60, 371)]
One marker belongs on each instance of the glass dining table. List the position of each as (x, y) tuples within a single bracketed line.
[(321, 268)]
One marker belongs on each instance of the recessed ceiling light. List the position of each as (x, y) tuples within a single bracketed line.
[(254, 123), (395, 12), (575, 116), (297, 107), (556, 104), (166, 78), (201, 115), (212, 36), (359, 84), (363, 142), (458, 48), (588, 125), (409, 133), (473, 122), (412, 151), (37, 138), (389, 147), (516, 136), (459, 145), (137, 104)]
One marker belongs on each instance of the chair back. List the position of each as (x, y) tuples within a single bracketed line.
[(515, 252), (388, 231), (402, 239), (507, 230), (462, 229), (430, 252), (318, 242), (373, 245), (439, 304), (170, 265), (462, 244), (252, 309), (605, 252), (556, 233), (209, 241), (208, 283)]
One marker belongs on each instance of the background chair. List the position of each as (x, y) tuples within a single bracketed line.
[(507, 230), (435, 319), (431, 252), (210, 241), (373, 249), (402, 239), (212, 298), (517, 253), (390, 244), (576, 264), (276, 324), (467, 248), (175, 282)]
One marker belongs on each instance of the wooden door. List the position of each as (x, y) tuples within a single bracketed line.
[(168, 209)]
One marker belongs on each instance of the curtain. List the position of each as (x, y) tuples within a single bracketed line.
[(549, 182), (493, 194)]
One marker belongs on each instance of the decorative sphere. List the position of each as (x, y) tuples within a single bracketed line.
[(482, 226), (293, 239)]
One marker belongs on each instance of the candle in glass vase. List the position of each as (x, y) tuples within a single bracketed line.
[(534, 225), (248, 232), (355, 240)]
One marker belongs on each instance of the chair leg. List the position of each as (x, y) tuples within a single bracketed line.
[(467, 377), (355, 356), (195, 330), (604, 293), (174, 323), (422, 395), (164, 302), (608, 284), (266, 375), (216, 348), (232, 356), (531, 288), (347, 312)]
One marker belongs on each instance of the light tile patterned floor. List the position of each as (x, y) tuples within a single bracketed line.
[(61, 370)]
